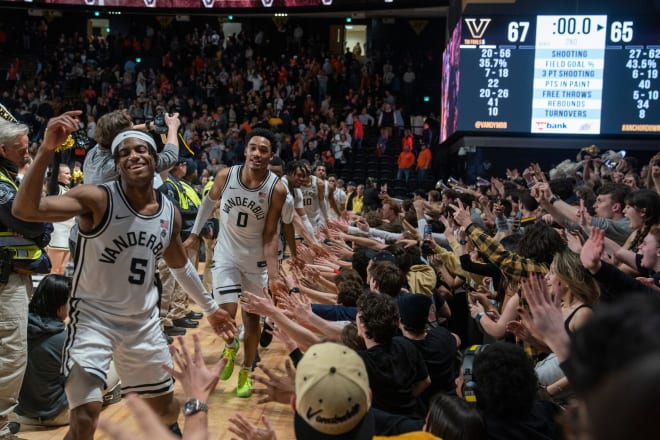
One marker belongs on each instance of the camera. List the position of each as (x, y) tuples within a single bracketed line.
[(160, 127)]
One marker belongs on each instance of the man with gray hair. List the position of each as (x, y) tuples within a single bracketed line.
[(21, 245)]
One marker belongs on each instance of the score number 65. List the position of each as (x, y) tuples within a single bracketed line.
[(621, 31)]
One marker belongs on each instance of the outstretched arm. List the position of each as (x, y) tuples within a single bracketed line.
[(186, 275), (270, 236), (83, 200), (170, 154), (322, 204)]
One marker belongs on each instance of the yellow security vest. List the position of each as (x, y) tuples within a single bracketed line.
[(188, 193), (21, 248)]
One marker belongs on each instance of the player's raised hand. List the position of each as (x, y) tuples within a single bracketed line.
[(222, 324), (59, 128)]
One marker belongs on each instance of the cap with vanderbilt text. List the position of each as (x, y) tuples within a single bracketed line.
[(333, 398)]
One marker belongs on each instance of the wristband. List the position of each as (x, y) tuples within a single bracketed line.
[(294, 290), (553, 199), (479, 316), (148, 125), (462, 242)]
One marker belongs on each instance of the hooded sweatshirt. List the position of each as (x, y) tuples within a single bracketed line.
[(42, 394)]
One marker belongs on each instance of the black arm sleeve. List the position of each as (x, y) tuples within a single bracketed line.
[(618, 283)]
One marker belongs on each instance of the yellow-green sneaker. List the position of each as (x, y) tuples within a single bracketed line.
[(230, 354), (244, 388)]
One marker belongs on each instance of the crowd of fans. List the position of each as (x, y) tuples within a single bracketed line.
[(533, 275), (323, 107)]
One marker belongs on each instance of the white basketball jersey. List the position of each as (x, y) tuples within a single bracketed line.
[(242, 220), (296, 194), (311, 201), (116, 264), (340, 200)]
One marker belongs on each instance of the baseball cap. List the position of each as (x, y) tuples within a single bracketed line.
[(414, 309), (384, 256), (352, 183), (333, 398)]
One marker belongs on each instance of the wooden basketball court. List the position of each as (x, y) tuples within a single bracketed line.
[(222, 405)]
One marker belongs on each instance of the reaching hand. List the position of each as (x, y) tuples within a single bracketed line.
[(305, 254), (197, 380), (592, 250), (252, 303), (311, 273), (149, 423), (172, 121), (276, 283), (283, 336), (290, 279), (341, 226), (362, 225), (544, 317), (519, 330), (222, 324), (246, 430), (192, 240), (582, 216), (480, 297), (298, 307), (541, 192), (648, 281), (475, 309), (319, 251), (573, 240), (279, 387), (461, 214)]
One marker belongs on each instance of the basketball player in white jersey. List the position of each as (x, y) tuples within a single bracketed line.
[(245, 255), (295, 175), (336, 197), (313, 190), (287, 232), (332, 209), (125, 227)]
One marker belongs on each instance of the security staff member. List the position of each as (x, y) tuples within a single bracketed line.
[(21, 245), (175, 312)]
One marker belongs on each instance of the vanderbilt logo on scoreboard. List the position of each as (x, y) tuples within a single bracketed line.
[(477, 28)]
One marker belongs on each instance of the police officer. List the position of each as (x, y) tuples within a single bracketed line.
[(21, 254)]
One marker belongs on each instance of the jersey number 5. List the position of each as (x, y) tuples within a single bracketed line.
[(138, 272)]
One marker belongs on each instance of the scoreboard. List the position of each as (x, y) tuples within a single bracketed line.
[(553, 74)]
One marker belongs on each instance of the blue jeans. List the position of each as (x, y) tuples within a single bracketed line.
[(403, 174), (421, 176)]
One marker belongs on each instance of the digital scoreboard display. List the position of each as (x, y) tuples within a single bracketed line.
[(553, 74)]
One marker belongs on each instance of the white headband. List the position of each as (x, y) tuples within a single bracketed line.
[(137, 134)]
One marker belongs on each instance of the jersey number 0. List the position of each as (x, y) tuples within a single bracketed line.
[(242, 219)]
